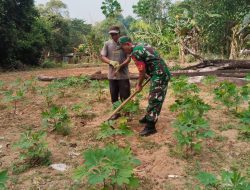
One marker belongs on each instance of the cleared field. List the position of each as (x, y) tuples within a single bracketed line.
[(163, 166)]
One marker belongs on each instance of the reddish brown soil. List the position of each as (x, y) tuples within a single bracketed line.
[(156, 152)]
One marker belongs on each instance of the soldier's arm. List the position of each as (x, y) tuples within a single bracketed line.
[(142, 76), (142, 72), (126, 62)]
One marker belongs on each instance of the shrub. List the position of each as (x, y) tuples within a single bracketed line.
[(50, 64)]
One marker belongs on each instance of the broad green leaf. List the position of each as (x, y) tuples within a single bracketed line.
[(207, 179)]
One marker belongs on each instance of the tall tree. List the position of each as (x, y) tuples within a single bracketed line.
[(54, 7), (19, 33), (55, 14), (78, 31), (152, 10), (111, 8), (216, 20)]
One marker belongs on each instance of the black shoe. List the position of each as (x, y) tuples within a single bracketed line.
[(115, 116), (149, 129), (143, 120)]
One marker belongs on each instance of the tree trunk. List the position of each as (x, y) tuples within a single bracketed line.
[(181, 51), (235, 43)]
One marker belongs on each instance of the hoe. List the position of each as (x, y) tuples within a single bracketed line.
[(127, 100)]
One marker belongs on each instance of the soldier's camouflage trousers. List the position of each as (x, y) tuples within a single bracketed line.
[(157, 94)]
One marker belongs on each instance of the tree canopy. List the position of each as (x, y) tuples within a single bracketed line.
[(30, 33)]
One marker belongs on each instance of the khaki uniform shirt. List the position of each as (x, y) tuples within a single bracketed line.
[(110, 51)]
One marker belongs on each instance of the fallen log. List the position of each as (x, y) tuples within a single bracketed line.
[(221, 64), (95, 76), (240, 73)]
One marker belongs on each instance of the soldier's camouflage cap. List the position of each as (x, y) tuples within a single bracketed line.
[(123, 39)]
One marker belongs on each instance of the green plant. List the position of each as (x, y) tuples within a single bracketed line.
[(190, 129), (31, 85), (50, 64), (3, 178), (33, 148), (58, 118), (244, 130), (182, 88), (176, 67), (133, 106), (110, 166), (80, 109), (230, 95), (81, 81), (248, 76), (48, 93), (15, 93), (60, 86), (190, 102), (98, 87), (228, 180), (112, 128)]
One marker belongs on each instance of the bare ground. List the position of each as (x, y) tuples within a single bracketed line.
[(156, 152)]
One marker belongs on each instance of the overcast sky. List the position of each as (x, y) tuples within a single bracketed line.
[(90, 10)]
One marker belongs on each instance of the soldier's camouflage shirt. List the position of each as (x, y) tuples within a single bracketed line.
[(146, 57)]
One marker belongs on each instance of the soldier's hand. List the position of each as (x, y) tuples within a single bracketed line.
[(115, 64)]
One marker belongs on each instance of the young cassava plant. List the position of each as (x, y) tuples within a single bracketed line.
[(3, 179), (113, 128), (98, 87), (33, 148), (132, 107), (57, 117), (48, 93), (111, 167), (82, 110), (191, 102), (228, 180), (190, 130), (14, 94), (182, 88), (231, 95)]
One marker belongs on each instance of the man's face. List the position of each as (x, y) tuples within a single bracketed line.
[(127, 47), (115, 36)]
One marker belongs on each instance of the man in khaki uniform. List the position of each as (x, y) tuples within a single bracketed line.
[(118, 74)]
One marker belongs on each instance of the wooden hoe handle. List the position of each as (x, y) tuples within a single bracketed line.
[(128, 99)]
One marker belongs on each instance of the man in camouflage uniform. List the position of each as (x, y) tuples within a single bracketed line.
[(149, 62)]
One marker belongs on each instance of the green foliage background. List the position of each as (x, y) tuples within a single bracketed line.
[(29, 33)]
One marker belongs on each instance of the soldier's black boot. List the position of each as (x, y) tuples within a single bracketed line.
[(115, 116), (149, 129), (143, 120)]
